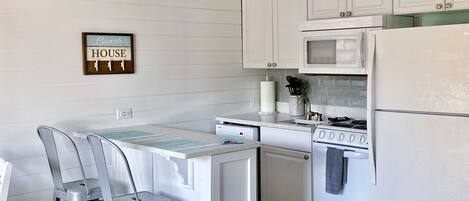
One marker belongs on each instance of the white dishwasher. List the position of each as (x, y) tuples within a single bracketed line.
[(248, 132)]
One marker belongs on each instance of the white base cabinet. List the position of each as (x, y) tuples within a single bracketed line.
[(234, 176), (225, 177), (285, 175)]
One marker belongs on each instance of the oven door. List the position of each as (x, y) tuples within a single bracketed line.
[(356, 186), (333, 52)]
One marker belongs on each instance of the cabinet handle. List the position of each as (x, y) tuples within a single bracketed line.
[(269, 65), (306, 157), (274, 65), (439, 6), (449, 5), (349, 13), (342, 14)]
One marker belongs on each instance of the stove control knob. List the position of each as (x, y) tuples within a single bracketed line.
[(331, 135), (351, 138), (341, 137), (322, 134), (362, 139)]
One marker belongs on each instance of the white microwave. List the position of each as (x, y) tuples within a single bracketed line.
[(333, 52), (338, 46)]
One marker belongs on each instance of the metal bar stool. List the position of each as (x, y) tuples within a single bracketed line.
[(79, 190), (5, 177), (96, 143)]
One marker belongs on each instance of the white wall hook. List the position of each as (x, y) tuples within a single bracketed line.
[(109, 65), (123, 65), (96, 65)]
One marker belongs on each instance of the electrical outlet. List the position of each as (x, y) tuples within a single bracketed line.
[(253, 102), (123, 113)]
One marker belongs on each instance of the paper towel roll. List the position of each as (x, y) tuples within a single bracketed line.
[(267, 97)]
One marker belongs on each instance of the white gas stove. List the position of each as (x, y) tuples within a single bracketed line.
[(351, 137)]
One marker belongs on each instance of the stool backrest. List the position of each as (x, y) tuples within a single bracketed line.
[(47, 135), (96, 143), (5, 176)]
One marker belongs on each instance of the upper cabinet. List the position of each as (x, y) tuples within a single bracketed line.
[(320, 9), (257, 33), (271, 34), (369, 7), (457, 4), (418, 6), (422, 6)]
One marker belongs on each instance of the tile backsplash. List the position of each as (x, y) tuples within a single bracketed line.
[(332, 90)]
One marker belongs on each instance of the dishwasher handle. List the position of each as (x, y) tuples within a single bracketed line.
[(347, 154)]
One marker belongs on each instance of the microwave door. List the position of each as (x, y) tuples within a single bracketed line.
[(333, 50)]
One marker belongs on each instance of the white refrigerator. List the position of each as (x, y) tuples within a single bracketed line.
[(419, 114)]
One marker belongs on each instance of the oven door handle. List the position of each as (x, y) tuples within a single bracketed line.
[(347, 154)]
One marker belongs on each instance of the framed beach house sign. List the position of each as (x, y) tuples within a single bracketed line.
[(108, 53)]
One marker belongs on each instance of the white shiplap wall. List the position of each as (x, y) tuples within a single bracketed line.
[(188, 70)]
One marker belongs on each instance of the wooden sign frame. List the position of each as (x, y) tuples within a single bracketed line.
[(108, 53)]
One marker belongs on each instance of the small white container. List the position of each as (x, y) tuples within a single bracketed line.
[(297, 106)]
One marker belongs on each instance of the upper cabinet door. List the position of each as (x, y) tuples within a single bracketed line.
[(318, 9), (418, 6), (369, 7), (257, 33), (457, 4), (287, 17)]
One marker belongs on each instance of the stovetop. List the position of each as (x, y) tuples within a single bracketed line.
[(356, 124)]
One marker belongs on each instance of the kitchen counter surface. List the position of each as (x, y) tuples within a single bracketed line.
[(169, 142), (284, 121)]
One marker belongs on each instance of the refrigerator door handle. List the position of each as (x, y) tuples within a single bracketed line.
[(371, 54)]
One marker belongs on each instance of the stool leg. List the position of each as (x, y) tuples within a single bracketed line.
[(54, 197)]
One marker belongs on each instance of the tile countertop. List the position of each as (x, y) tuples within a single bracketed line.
[(281, 120)]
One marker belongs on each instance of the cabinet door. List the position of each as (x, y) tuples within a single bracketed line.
[(234, 176), (417, 6), (285, 175), (318, 9), (257, 33), (369, 7), (287, 16), (457, 4)]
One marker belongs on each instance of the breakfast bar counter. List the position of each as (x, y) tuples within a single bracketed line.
[(184, 165), (169, 142)]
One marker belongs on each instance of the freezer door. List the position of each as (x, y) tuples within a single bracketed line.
[(421, 158), (422, 69)]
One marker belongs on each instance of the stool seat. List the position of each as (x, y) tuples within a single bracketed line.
[(143, 195), (76, 191)]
